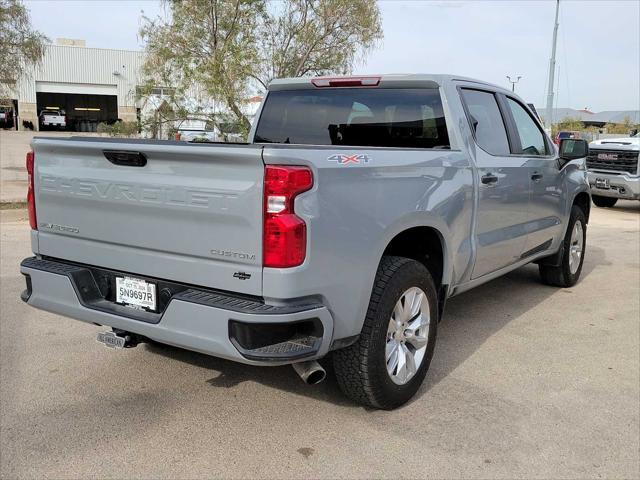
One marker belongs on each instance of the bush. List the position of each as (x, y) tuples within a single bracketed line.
[(119, 129), (624, 128)]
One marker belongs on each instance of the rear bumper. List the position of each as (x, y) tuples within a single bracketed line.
[(621, 186), (193, 319)]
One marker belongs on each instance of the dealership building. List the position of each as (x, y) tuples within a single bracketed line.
[(91, 85)]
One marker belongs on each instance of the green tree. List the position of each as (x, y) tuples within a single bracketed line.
[(208, 44), (20, 45), (316, 37), (228, 50)]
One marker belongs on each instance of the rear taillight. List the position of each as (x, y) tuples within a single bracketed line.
[(285, 234), (31, 193)]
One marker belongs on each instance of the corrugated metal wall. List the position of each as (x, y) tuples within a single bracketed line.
[(74, 65)]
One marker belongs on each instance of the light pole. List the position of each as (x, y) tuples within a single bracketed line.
[(548, 121), (513, 82)]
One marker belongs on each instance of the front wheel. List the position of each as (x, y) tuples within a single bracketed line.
[(604, 202), (388, 363), (567, 273)]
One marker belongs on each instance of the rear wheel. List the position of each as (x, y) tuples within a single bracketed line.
[(605, 202), (567, 273), (388, 363)]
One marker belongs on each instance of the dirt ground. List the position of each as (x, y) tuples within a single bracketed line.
[(13, 149)]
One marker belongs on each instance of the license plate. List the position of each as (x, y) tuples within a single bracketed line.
[(602, 183), (136, 293)]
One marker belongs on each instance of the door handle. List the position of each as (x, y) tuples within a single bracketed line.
[(125, 158), (489, 179), (536, 177)]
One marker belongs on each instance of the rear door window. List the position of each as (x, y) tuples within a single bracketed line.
[(377, 117), (487, 121)]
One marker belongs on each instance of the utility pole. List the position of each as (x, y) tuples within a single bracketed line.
[(552, 70), (513, 82)]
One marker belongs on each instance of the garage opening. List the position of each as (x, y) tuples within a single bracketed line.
[(8, 114), (82, 112)]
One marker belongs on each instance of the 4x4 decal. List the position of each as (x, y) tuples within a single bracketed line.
[(344, 159)]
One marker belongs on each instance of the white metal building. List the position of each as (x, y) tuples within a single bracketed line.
[(94, 85), (91, 85)]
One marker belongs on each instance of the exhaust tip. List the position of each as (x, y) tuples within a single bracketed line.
[(316, 377), (311, 372)]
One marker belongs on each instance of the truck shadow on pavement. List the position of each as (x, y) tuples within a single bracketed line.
[(469, 320), (474, 316), (629, 207)]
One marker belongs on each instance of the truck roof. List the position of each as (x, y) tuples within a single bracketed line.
[(407, 80)]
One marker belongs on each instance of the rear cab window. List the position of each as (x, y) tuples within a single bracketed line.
[(375, 117), (486, 120)]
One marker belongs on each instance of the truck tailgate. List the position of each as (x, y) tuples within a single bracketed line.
[(191, 214), (54, 119)]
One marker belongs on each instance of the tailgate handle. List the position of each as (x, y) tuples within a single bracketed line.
[(126, 158)]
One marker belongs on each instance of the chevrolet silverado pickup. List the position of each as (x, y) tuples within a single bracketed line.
[(613, 172), (359, 205)]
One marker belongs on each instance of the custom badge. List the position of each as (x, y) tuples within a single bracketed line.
[(344, 159)]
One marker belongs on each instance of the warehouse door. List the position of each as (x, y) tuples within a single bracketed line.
[(84, 105)]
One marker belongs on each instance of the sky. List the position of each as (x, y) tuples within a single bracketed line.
[(598, 55)]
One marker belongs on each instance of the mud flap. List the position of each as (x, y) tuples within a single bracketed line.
[(554, 260), (442, 300)]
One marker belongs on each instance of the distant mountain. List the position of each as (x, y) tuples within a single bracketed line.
[(608, 116)]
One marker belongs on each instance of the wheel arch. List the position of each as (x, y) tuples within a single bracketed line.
[(583, 200), (424, 240)]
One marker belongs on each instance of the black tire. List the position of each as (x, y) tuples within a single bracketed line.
[(361, 368), (561, 276), (604, 202)]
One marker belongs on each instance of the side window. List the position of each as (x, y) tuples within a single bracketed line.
[(487, 121), (531, 137)]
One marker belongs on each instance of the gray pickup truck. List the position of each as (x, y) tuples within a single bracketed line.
[(358, 207)]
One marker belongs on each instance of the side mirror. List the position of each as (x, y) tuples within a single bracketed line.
[(573, 148)]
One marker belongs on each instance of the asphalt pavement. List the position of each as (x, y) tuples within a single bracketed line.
[(527, 381)]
